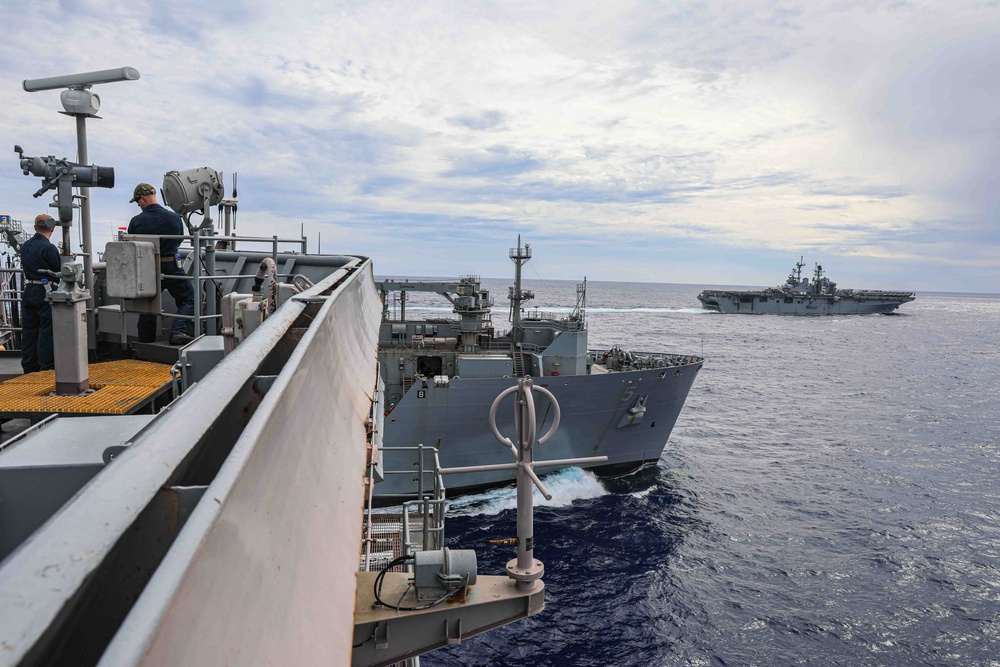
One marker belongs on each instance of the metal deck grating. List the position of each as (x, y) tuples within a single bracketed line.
[(120, 387), (387, 541)]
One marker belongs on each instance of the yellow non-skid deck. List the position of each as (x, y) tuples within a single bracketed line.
[(119, 387)]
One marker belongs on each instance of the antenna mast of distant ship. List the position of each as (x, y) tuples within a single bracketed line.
[(516, 295)]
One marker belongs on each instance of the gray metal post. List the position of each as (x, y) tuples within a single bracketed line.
[(227, 212), (525, 490), (197, 284), (85, 232), (211, 295), (524, 569), (420, 471), (69, 335), (420, 491)]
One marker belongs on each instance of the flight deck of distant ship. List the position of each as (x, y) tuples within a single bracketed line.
[(799, 296)]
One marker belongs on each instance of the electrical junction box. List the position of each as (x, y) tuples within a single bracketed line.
[(133, 269), (435, 573)]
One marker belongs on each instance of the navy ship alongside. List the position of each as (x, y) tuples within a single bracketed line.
[(800, 296), (441, 372)]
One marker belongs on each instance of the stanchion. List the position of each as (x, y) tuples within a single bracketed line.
[(525, 570)]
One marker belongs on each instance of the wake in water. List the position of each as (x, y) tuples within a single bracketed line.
[(566, 486)]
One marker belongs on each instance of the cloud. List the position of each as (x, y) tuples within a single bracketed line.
[(494, 161), (487, 119), (730, 129)]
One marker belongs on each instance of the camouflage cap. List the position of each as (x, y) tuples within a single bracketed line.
[(44, 220), (141, 190)]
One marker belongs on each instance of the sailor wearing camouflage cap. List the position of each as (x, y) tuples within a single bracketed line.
[(157, 220), (142, 190)]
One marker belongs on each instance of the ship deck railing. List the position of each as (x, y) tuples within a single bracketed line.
[(861, 295), (623, 360), (504, 348), (418, 525), (12, 277), (199, 273), (877, 294), (432, 343), (555, 320)]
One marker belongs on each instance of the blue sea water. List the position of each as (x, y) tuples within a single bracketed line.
[(828, 496)]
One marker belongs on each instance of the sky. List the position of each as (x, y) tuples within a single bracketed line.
[(709, 142)]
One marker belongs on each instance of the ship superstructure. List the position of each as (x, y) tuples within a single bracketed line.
[(438, 371), (800, 296)]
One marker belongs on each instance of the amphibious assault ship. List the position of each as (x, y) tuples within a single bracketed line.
[(799, 296), (441, 372)]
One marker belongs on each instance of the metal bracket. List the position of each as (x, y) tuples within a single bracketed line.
[(111, 453), (381, 638), (492, 602), (456, 638)]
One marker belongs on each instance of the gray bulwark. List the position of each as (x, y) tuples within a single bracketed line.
[(248, 579), (44, 468)]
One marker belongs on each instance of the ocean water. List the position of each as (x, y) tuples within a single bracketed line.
[(829, 496)]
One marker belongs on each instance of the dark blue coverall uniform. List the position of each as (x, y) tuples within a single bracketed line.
[(36, 313), (155, 219)]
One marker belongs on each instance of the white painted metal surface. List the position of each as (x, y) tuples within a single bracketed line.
[(263, 570)]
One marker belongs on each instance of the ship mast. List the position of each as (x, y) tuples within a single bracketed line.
[(516, 295), (818, 279), (579, 313)]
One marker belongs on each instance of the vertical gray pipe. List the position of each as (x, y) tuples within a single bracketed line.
[(525, 488), (211, 295), (85, 232), (196, 240)]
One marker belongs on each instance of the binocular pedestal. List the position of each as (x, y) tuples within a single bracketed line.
[(69, 332)]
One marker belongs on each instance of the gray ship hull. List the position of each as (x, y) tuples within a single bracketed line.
[(759, 303), (598, 419)]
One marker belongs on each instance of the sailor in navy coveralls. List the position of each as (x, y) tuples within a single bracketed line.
[(36, 313), (155, 219)]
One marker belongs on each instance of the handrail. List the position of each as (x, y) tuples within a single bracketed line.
[(214, 237), (619, 360), (430, 504)]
